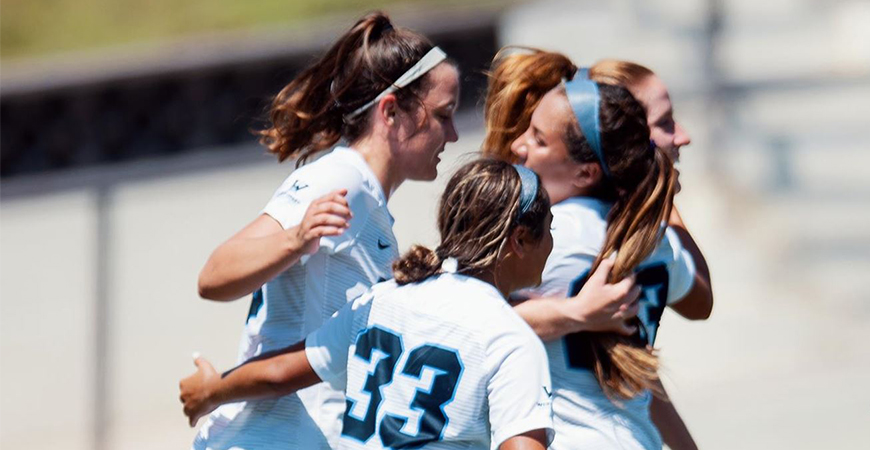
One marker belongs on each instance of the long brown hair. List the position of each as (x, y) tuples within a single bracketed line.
[(312, 112), (476, 215), (640, 184)]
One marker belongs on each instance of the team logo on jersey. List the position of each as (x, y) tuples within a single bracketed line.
[(381, 244), (297, 186), (548, 402)]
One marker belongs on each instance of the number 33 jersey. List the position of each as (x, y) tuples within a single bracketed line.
[(441, 364), (582, 414)]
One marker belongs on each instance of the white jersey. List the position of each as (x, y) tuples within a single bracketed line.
[(442, 364), (583, 416), (299, 300)]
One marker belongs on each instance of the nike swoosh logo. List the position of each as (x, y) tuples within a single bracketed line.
[(549, 394), (381, 244)]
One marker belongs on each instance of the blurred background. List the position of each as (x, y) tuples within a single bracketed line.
[(127, 158)]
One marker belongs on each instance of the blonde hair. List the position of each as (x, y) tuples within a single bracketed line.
[(619, 73), (641, 184), (517, 82)]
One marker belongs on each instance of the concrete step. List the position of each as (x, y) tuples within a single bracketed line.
[(771, 12), (805, 111), (587, 31), (815, 169), (786, 39), (792, 221), (812, 250)]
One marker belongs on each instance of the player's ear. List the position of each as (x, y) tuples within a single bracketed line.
[(519, 241), (587, 175), (387, 108)]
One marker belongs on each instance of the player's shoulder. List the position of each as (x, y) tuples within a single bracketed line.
[(341, 168), (506, 333), (456, 287), (579, 225), (384, 289), (361, 306), (482, 307), (462, 299), (668, 247), (582, 209)]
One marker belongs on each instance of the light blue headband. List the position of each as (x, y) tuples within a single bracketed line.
[(585, 101), (528, 188)]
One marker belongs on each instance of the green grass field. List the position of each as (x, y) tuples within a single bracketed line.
[(43, 27)]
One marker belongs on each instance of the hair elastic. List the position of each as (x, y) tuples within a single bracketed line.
[(425, 64), (450, 265), (528, 188), (585, 101)]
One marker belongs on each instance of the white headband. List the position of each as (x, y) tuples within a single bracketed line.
[(425, 64)]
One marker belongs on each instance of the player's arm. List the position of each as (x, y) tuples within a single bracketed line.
[(263, 249), (671, 426), (599, 306), (698, 303), (269, 375), (532, 440), (322, 356)]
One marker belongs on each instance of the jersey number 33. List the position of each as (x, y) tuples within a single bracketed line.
[(447, 367)]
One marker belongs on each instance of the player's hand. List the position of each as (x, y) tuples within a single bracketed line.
[(607, 307), (196, 391), (326, 216)]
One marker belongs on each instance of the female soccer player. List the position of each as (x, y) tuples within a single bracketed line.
[(611, 191), (435, 358), (669, 135), (326, 235)]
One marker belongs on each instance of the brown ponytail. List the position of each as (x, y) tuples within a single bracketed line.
[(417, 264), (634, 227), (476, 215), (310, 114), (517, 82), (641, 185)]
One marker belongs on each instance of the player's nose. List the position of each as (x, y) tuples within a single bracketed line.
[(519, 149), (681, 137)]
